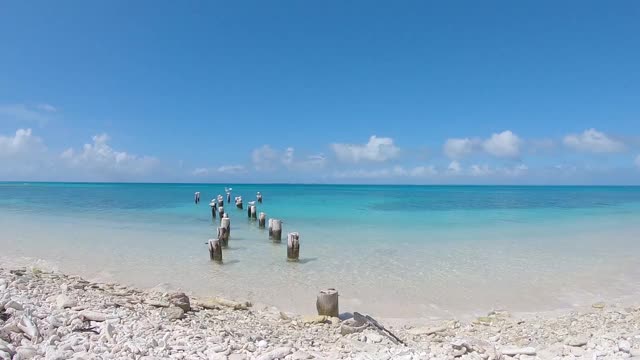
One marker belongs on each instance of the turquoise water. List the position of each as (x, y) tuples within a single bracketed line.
[(396, 251)]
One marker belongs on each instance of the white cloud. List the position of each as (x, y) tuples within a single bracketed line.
[(22, 112), (200, 172), (264, 158), (517, 170), (224, 169), (504, 145), (394, 172), (231, 169), (454, 167), (311, 162), (458, 148), (22, 156), (21, 144), (593, 141), (98, 158), (377, 149), (287, 158), (423, 171), (480, 170), (46, 107)]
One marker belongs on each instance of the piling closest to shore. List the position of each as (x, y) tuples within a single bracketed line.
[(327, 303), (215, 250)]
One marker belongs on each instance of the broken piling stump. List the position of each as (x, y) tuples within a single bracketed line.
[(226, 223), (215, 250), (327, 303), (276, 230), (293, 246)]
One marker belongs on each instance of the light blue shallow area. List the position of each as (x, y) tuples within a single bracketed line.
[(418, 250)]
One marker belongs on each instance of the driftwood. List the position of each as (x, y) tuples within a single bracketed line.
[(218, 303), (92, 329), (369, 320)]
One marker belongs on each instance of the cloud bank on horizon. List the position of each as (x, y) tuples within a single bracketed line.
[(499, 157)]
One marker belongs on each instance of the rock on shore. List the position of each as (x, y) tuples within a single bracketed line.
[(54, 316)]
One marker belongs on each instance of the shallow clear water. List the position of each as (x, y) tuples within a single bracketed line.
[(394, 251)]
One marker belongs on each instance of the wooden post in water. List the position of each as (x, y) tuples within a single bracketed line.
[(270, 228), (221, 211), (276, 230), (220, 201), (327, 303), (261, 220), (293, 246), (213, 209), (223, 236), (259, 197), (215, 250), (228, 197), (226, 223), (252, 212), (196, 197), (239, 202)]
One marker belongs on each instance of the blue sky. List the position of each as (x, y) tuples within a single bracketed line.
[(295, 91)]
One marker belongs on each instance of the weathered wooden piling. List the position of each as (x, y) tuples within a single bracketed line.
[(196, 197), (253, 212), (276, 230), (327, 303), (259, 197), (293, 246), (239, 202), (214, 210), (223, 236), (270, 228), (220, 201), (226, 223), (228, 197), (261, 220), (221, 211), (215, 250)]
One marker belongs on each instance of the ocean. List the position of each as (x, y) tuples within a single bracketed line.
[(397, 252)]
